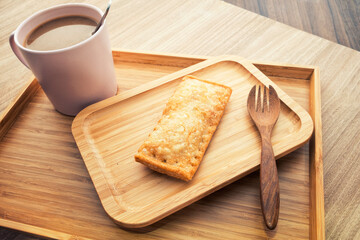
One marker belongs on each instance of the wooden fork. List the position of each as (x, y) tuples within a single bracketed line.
[(265, 117)]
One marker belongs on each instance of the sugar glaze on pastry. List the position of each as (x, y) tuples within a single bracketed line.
[(177, 144)]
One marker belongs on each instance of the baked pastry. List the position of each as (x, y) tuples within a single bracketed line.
[(178, 142)]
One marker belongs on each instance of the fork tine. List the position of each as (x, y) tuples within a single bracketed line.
[(274, 100), (265, 105), (272, 91), (251, 98), (273, 97), (258, 108)]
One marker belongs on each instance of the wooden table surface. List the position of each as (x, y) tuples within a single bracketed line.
[(335, 20), (211, 27)]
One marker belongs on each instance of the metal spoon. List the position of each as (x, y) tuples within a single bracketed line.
[(102, 18)]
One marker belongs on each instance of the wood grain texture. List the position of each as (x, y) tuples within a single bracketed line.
[(265, 113), (335, 20), (9, 115), (317, 220), (81, 207), (110, 132), (216, 28)]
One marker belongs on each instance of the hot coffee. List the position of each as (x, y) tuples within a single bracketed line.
[(72, 76), (60, 33)]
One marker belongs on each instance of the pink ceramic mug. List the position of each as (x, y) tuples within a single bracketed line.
[(72, 77)]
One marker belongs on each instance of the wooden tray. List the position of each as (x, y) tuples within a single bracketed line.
[(45, 188), (110, 132)]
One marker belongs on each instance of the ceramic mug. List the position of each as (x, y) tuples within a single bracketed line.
[(72, 77)]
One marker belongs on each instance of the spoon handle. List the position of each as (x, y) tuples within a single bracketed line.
[(103, 17), (269, 184)]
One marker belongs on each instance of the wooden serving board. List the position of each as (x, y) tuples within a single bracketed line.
[(45, 188), (110, 132)]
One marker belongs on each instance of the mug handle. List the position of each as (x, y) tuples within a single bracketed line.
[(16, 50)]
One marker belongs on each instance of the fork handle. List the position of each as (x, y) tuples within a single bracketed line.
[(269, 184)]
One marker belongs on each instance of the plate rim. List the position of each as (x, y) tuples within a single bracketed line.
[(109, 204)]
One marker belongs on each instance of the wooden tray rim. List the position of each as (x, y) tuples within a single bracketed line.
[(316, 207), (127, 218)]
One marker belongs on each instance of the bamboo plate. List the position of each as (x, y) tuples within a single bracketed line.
[(46, 189), (109, 133)]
